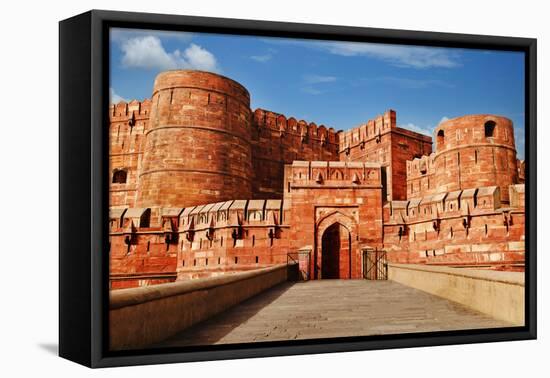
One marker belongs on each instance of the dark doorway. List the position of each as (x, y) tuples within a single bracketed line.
[(335, 253)]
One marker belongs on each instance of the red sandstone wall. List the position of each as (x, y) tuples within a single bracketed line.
[(421, 176), (142, 246), (128, 124), (469, 227), (197, 142), (521, 171), (320, 194), (381, 141), (278, 140), (197, 149), (468, 159), (231, 236)]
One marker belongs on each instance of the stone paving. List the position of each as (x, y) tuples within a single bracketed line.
[(332, 308)]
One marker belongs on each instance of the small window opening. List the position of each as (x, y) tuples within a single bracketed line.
[(119, 176), (490, 129), (440, 139)]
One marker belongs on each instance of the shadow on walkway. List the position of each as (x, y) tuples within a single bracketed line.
[(209, 332)]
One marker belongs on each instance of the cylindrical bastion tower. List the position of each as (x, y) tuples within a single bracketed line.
[(474, 151), (197, 148)]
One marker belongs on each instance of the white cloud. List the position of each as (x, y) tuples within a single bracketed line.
[(311, 90), (197, 57), (261, 58), (314, 83), (317, 79), (443, 119), (148, 52), (401, 56), (114, 98), (422, 130), (410, 83), (397, 55)]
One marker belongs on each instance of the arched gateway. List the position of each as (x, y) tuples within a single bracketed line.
[(334, 255)]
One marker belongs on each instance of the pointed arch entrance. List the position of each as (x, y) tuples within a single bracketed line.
[(336, 252), (334, 256)]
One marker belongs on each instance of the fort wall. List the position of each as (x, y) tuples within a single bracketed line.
[(472, 151), (461, 228), (278, 140), (381, 141), (202, 186), (128, 125), (197, 148), (320, 195)]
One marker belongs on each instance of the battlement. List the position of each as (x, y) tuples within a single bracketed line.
[(127, 109), (290, 126), (329, 173), (234, 213), (421, 166), (459, 203), (472, 151), (180, 161), (372, 130)]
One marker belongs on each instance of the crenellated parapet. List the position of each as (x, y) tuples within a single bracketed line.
[(124, 109), (371, 131), (463, 227), (306, 132), (278, 140), (465, 202), (334, 174), (421, 166), (128, 125), (220, 236), (421, 176), (380, 140)]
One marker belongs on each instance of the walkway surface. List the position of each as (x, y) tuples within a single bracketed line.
[(332, 308)]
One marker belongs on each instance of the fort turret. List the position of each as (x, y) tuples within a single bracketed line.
[(197, 148), (474, 151)]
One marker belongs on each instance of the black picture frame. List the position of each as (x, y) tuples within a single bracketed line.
[(83, 196)]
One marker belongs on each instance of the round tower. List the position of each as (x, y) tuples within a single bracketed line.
[(474, 151), (197, 148)]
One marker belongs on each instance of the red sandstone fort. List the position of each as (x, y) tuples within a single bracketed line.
[(202, 185)]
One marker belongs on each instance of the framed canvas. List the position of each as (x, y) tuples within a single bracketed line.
[(236, 188)]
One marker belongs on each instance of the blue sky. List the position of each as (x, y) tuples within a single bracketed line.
[(338, 84)]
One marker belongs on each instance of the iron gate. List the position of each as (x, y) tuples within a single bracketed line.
[(375, 264)]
